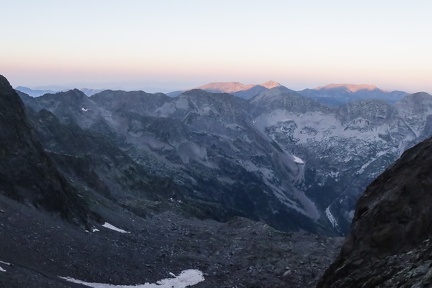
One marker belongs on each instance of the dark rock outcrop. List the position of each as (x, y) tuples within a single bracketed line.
[(27, 173), (390, 232)]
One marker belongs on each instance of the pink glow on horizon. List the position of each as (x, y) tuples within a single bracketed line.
[(196, 42)]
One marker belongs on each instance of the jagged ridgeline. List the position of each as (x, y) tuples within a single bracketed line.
[(278, 156), (202, 145)]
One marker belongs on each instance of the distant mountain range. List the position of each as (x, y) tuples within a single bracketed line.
[(337, 94), (331, 95), (233, 87), (34, 92), (241, 90)]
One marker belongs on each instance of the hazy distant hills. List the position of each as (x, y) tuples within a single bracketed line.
[(337, 94), (241, 90), (40, 92), (233, 87), (331, 95), (227, 87), (34, 92)]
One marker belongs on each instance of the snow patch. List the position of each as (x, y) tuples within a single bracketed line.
[(249, 166), (298, 160), (371, 161), (351, 214), (334, 174), (84, 109), (234, 127), (112, 227), (5, 263), (225, 180), (331, 217), (186, 278)]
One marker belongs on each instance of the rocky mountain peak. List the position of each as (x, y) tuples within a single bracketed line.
[(74, 94), (270, 84), (4, 83)]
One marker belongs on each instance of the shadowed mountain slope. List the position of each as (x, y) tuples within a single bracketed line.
[(389, 243), (27, 173)]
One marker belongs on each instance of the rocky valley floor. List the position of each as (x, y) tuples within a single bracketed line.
[(36, 248)]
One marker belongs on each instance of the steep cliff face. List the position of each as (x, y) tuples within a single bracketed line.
[(27, 173), (389, 240)]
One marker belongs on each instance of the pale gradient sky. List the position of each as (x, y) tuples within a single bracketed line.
[(168, 45)]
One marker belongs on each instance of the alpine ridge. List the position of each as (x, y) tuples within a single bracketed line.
[(289, 153), (206, 143)]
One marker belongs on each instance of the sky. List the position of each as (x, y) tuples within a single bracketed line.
[(160, 45)]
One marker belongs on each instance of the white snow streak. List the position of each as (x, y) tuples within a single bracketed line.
[(186, 278), (371, 161), (5, 263), (298, 160), (112, 227), (84, 109), (330, 217)]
